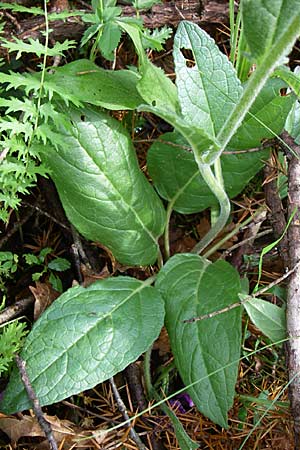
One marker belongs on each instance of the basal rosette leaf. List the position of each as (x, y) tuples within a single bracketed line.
[(104, 193), (156, 88), (209, 90), (176, 176), (89, 83), (207, 351), (85, 337)]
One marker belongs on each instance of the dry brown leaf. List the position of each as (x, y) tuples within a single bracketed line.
[(44, 295), (162, 343), (184, 245), (90, 276), (28, 426), (65, 432)]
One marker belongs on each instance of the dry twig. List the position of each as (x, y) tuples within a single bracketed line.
[(122, 408), (44, 424), (15, 310)]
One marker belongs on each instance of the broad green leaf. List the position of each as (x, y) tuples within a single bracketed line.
[(156, 88), (91, 84), (268, 63), (85, 337), (110, 13), (269, 318), (144, 4), (176, 176), (266, 117), (109, 40), (207, 351), (134, 31), (209, 90), (59, 264), (103, 191), (264, 22)]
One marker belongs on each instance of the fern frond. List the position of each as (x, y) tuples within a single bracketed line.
[(13, 126), (48, 113), (11, 341), (35, 46), (28, 82), (25, 106), (14, 7), (45, 133), (23, 9)]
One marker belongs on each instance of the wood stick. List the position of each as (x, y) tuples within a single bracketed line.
[(44, 424)]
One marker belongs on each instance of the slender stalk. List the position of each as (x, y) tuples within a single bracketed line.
[(43, 68), (95, 45), (167, 231), (218, 190), (183, 438), (147, 371), (236, 230), (215, 210), (234, 31)]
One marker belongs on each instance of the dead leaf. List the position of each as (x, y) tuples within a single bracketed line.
[(44, 295), (28, 426), (65, 433), (203, 227), (162, 343), (90, 276)]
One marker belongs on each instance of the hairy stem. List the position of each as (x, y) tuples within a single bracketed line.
[(167, 231), (217, 189)]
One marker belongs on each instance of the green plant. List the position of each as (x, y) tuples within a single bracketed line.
[(107, 28), (25, 118), (12, 336), (51, 267), (97, 331), (8, 266)]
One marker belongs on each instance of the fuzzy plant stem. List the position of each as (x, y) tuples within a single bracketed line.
[(215, 210), (217, 189)]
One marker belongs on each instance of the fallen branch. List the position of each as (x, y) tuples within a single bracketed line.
[(15, 310)]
